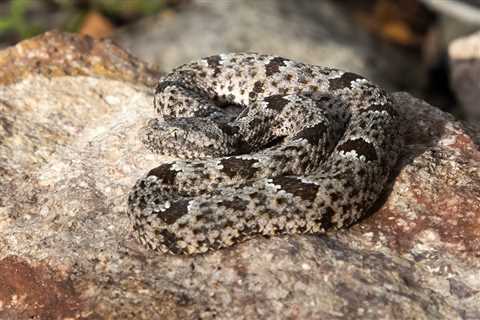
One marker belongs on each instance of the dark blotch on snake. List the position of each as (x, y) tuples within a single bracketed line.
[(276, 102), (164, 84), (361, 147), (344, 81), (258, 87), (175, 211), (274, 65), (326, 220), (170, 241), (235, 204), (239, 167), (214, 63), (165, 173), (306, 191), (312, 134)]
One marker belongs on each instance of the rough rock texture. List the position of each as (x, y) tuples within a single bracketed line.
[(66, 248), (31, 132), (56, 54), (317, 32), (33, 291), (464, 55)]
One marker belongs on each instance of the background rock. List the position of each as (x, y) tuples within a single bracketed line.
[(464, 56), (317, 32), (467, 11), (456, 18), (64, 224)]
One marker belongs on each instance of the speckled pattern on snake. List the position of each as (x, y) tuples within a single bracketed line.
[(311, 149)]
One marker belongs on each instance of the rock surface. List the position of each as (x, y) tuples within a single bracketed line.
[(31, 132), (464, 55), (66, 249), (317, 32)]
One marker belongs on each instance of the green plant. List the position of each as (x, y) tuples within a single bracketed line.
[(128, 7), (16, 21)]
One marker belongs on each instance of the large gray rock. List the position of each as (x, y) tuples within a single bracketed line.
[(317, 32), (66, 249)]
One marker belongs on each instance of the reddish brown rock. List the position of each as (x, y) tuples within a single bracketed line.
[(437, 191), (37, 292)]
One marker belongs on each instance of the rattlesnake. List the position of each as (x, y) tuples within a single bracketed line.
[(311, 150)]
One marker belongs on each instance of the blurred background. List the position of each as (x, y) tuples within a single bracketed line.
[(408, 45), (21, 19)]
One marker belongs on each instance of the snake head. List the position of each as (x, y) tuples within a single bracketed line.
[(186, 138)]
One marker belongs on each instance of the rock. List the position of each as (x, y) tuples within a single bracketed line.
[(34, 291), (464, 56), (455, 18), (56, 54), (30, 132), (64, 225), (317, 32)]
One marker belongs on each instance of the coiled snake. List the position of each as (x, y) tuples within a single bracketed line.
[(312, 149)]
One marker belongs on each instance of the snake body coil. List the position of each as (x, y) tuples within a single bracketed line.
[(311, 150)]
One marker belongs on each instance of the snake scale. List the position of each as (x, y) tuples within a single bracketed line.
[(311, 149)]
